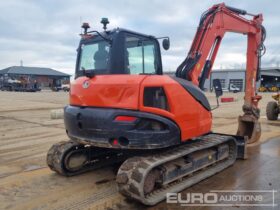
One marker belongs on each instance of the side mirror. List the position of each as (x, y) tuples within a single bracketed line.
[(218, 91), (217, 87), (166, 43)]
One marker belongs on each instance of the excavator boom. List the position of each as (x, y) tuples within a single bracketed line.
[(197, 66)]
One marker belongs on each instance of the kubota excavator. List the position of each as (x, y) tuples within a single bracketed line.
[(158, 127)]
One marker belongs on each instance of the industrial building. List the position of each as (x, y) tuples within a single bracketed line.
[(269, 76), (43, 77)]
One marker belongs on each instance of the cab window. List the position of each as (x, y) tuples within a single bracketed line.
[(95, 56), (140, 55)]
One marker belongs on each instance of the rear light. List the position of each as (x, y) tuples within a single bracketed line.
[(121, 141), (115, 142), (155, 97), (125, 119)]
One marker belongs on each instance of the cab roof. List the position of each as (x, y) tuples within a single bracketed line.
[(118, 30)]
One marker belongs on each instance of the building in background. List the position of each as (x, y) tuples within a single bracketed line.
[(43, 77), (269, 77)]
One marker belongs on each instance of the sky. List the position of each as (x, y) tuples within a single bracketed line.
[(45, 33)]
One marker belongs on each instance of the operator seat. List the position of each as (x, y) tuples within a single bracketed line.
[(101, 57)]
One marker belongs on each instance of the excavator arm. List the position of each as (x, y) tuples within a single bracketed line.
[(197, 66)]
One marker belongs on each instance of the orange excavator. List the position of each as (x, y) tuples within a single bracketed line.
[(124, 110)]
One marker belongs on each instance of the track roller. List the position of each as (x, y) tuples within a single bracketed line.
[(148, 178)]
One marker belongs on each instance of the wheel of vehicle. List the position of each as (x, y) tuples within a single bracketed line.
[(272, 110)]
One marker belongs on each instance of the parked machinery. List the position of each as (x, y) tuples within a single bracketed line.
[(273, 107), (262, 88), (20, 84)]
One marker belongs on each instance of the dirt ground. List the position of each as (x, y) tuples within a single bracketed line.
[(27, 132)]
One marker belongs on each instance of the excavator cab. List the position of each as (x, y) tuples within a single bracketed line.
[(118, 51), (124, 52)]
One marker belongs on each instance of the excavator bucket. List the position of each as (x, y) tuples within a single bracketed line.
[(249, 125)]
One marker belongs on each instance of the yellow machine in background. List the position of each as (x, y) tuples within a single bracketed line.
[(262, 89), (273, 107), (274, 88), (269, 88)]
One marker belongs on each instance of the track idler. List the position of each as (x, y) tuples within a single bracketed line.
[(249, 125), (67, 158), (70, 158)]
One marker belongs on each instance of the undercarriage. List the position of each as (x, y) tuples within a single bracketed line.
[(69, 158), (147, 175)]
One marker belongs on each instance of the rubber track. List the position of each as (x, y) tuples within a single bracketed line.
[(56, 154), (58, 151), (133, 171)]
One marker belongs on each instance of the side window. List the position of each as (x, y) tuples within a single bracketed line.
[(149, 57), (140, 56), (87, 56), (95, 56), (133, 55)]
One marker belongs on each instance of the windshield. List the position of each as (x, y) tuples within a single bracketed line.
[(95, 56), (127, 54)]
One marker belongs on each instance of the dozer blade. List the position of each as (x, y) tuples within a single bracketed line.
[(248, 125)]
